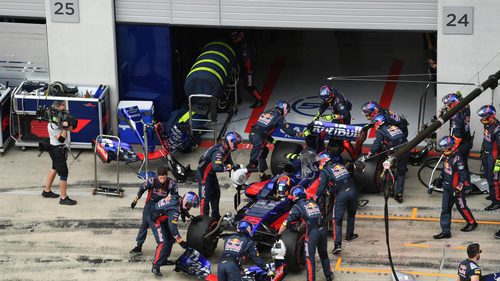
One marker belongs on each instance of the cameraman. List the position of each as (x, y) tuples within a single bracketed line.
[(58, 133)]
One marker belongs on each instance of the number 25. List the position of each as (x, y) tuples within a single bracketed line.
[(69, 9)]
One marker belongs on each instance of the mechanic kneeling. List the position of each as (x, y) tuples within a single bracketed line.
[(309, 213), (261, 133), (236, 248), (163, 219)]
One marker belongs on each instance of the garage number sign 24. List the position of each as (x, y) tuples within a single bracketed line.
[(65, 11), (458, 20)]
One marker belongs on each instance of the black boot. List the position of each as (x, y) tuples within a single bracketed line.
[(156, 271), (137, 249), (442, 235), (399, 197), (351, 237), (469, 227), (493, 207), (337, 249)]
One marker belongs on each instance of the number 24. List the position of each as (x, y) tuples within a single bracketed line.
[(69, 9), (463, 20)]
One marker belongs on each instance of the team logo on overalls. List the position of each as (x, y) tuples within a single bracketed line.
[(265, 118), (447, 168), (312, 209), (234, 245), (339, 171), (394, 131), (487, 135)]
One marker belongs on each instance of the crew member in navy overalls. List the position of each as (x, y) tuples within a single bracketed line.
[(163, 219), (340, 107), (246, 57), (262, 132), (460, 127), (346, 198), (308, 212), (389, 136), (455, 177), (371, 109), (490, 155), (469, 269), (158, 187), (237, 248), (217, 159)]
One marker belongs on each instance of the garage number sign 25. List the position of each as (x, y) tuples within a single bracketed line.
[(458, 20), (65, 11)]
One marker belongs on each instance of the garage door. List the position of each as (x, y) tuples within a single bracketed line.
[(330, 14), (22, 8), (23, 53)]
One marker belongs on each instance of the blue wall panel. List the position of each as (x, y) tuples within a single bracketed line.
[(145, 65)]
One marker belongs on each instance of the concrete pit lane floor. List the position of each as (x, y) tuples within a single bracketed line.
[(42, 240)]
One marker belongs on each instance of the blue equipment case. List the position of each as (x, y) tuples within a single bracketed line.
[(92, 114)]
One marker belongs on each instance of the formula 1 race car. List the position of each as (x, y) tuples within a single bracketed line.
[(265, 211)]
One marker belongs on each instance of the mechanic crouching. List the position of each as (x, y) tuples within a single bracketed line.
[(337, 102), (163, 220), (490, 155), (309, 213), (389, 136), (455, 177), (217, 159), (236, 248), (261, 133), (158, 187)]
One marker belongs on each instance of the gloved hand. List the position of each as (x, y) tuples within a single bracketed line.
[(299, 134), (271, 273), (497, 166), (316, 118), (274, 141), (229, 167), (183, 244), (307, 133), (328, 117), (459, 187), (132, 205)]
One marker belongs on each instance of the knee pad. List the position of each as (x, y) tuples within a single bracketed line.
[(63, 178)]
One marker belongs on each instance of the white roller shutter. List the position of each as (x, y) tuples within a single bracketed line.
[(23, 52), (332, 14), (22, 8), (143, 11)]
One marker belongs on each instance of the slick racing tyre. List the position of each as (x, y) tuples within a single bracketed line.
[(197, 230), (295, 254), (278, 157), (367, 178)]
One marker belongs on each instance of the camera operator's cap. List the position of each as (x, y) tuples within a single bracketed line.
[(473, 249)]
